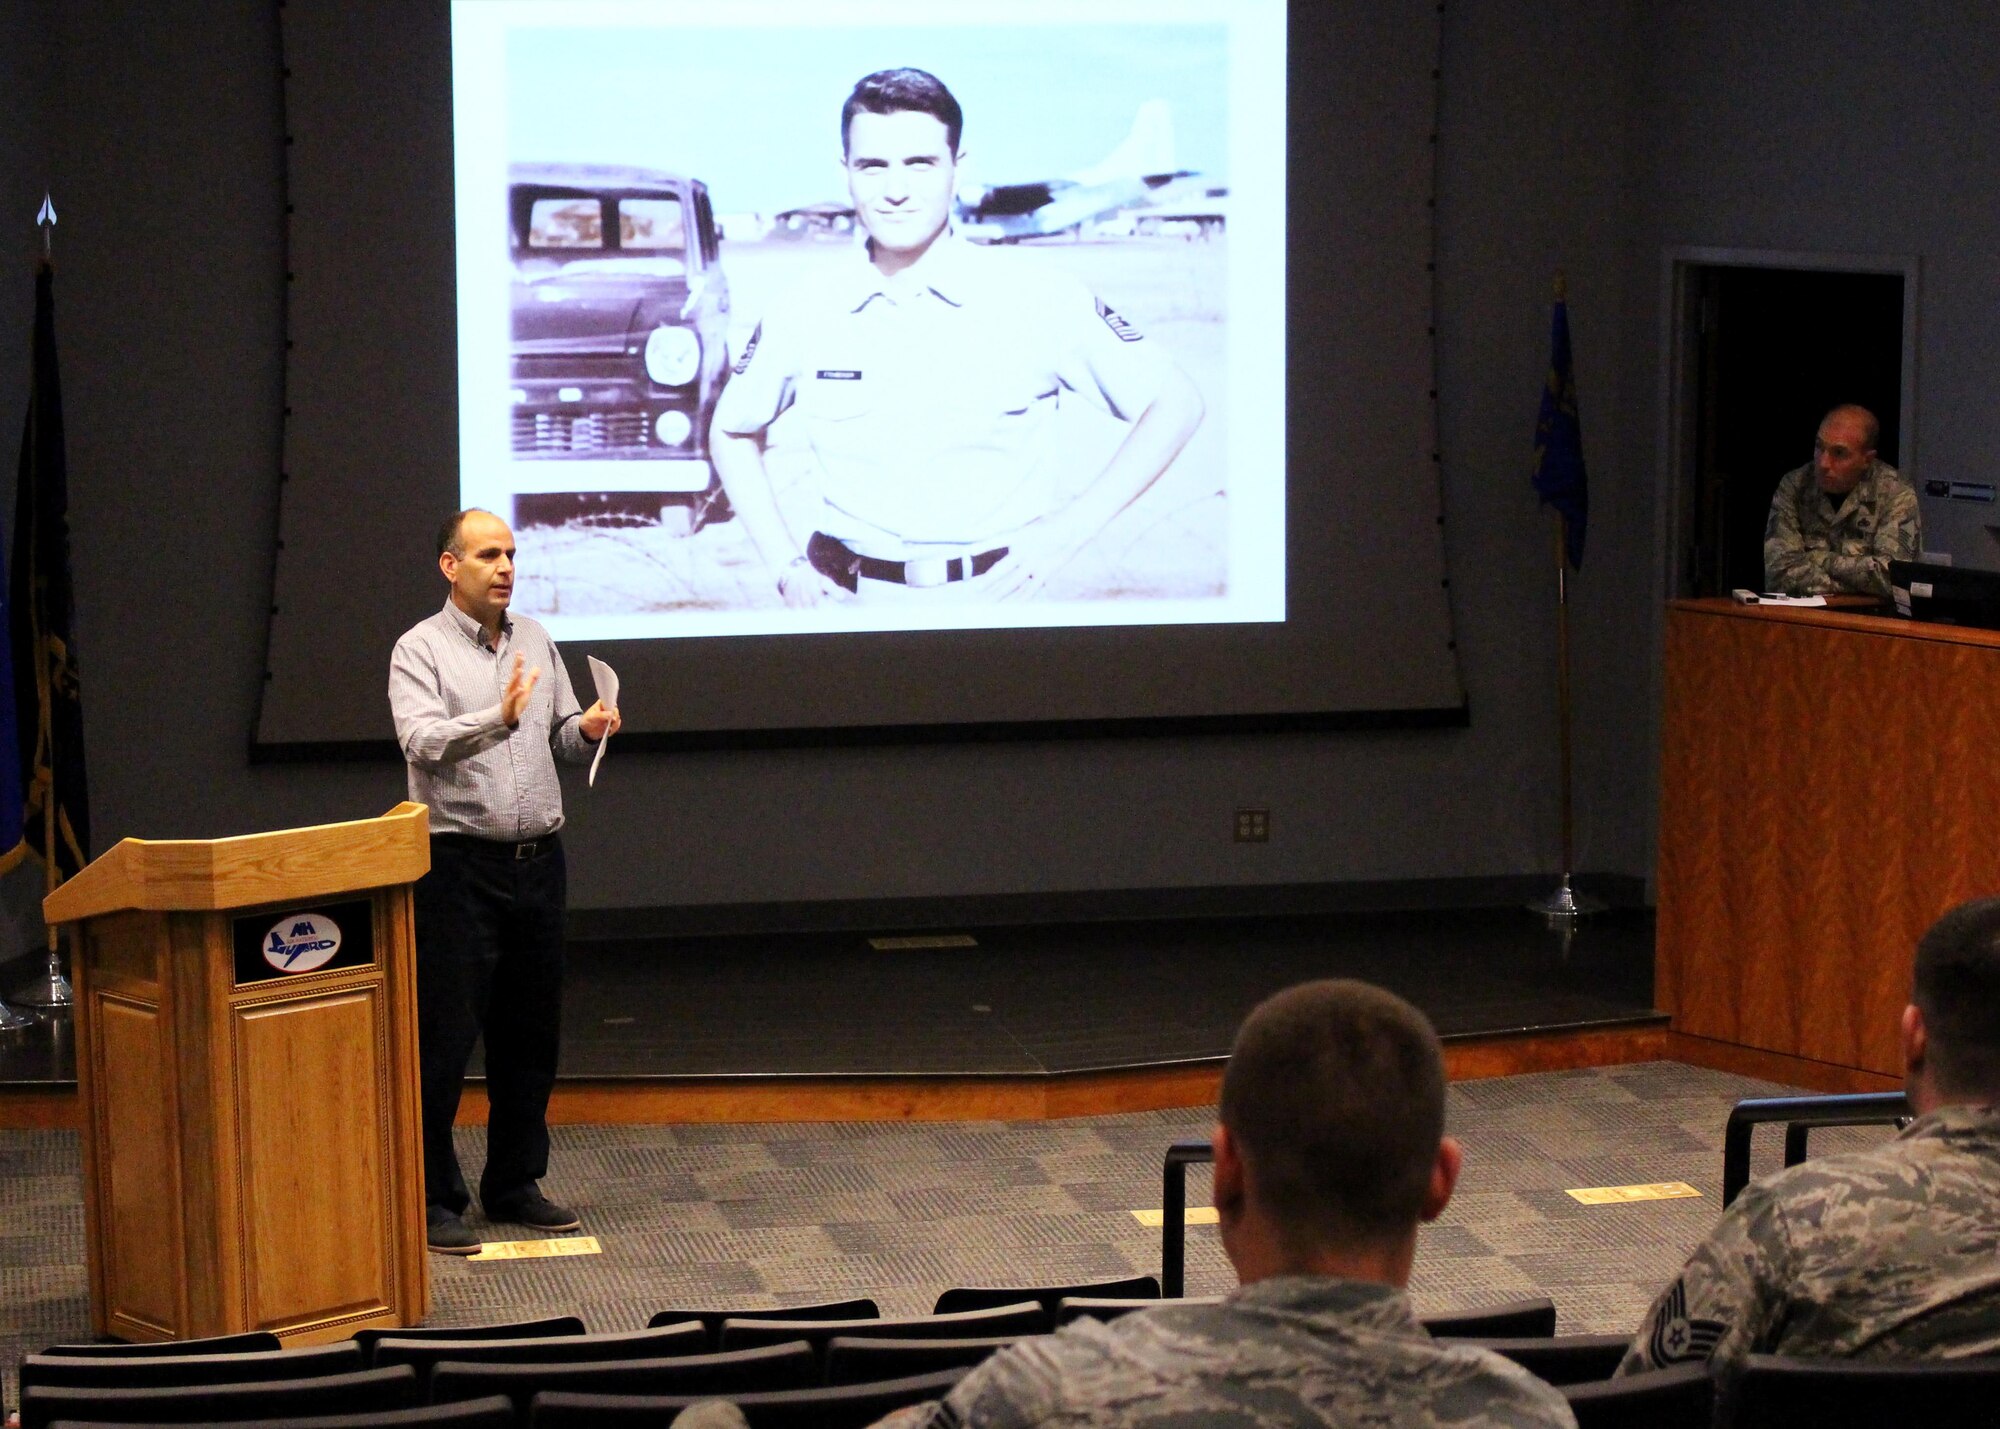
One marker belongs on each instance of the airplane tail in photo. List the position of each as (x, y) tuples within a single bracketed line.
[(1147, 150)]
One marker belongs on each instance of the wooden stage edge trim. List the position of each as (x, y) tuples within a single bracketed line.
[(1012, 1098), (1035, 1098)]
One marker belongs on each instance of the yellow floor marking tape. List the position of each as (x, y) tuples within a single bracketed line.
[(1619, 1195), (1196, 1216), (538, 1249)]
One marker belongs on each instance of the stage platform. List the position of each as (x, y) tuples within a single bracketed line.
[(1019, 1022)]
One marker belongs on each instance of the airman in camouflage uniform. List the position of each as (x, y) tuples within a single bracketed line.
[(1330, 1151), (1289, 1350), (1838, 521), (1891, 1253)]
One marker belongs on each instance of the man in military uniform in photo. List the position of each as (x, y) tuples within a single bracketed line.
[(1838, 521), (1886, 1254), (926, 380)]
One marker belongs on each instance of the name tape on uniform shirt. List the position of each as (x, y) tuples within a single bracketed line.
[(1196, 1216), (538, 1249), (1619, 1195)]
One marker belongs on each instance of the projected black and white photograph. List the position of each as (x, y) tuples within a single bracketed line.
[(779, 319)]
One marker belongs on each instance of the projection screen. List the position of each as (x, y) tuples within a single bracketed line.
[(1142, 436)]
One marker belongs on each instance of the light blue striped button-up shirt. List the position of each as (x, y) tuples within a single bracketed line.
[(478, 776)]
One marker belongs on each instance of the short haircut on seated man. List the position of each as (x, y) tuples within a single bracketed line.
[(1334, 1095), (1957, 989)]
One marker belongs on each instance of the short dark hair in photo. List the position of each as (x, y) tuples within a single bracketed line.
[(1334, 1095), (1958, 992), (896, 91)]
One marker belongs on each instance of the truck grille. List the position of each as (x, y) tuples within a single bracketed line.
[(579, 432)]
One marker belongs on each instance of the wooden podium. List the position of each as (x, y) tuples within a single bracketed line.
[(1828, 786), (247, 1070)]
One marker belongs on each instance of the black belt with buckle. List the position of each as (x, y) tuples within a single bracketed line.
[(848, 568), (517, 851)]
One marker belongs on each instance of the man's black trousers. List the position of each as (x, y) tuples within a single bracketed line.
[(489, 961)]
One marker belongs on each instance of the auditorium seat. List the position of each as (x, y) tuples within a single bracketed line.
[(1779, 1393), (515, 1330), (157, 1371), (364, 1391), (1516, 1319), (686, 1338), (1025, 1318), (490, 1413), (844, 1406), (712, 1319), (249, 1342), (1134, 1287), (1679, 1398), (1559, 1359), (788, 1366), (861, 1359), (1092, 1307)]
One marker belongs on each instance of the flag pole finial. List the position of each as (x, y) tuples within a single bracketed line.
[(45, 217)]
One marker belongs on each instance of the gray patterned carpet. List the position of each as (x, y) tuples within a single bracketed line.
[(697, 1216)]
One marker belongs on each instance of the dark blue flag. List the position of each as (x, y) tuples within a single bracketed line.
[(48, 806), (1559, 478)]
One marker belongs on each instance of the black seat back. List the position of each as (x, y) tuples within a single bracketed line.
[(364, 1391), (1836, 1394), (1025, 1318), (516, 1330), (687, 1338), (1097, 1307), (845, 1406), (249, 1342), (712, 1319), (1559, 1359), (1134, 1287), (860, 1359), (787, 1366), (1517, 1319), (1679, 1398), (149, 1371), (490, 1413)]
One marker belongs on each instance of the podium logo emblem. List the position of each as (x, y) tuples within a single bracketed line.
[(301, 942)]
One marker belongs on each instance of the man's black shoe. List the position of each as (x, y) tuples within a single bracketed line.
[(532, 1208), (447, 1234)]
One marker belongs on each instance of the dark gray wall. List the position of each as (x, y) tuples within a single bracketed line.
[(1575, 135)]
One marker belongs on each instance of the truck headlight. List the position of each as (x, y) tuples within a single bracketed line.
[(673, 356)]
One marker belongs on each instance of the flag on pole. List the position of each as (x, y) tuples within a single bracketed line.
[(47, 808), (1559, 477)]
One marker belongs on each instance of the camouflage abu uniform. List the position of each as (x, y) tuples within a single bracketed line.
[(1815, 543), (1891, 1253), (1289, 1350)]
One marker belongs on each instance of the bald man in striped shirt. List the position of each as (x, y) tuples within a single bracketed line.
[(483, 709)]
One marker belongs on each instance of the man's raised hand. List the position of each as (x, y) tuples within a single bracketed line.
[(514, 699)]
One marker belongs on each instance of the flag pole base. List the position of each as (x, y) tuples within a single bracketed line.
[(1566, 903), (50, 990)]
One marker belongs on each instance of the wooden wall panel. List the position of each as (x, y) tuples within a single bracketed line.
[(314, 1124), (1829, 785)]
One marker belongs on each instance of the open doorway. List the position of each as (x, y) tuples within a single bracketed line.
[(1766, 345)]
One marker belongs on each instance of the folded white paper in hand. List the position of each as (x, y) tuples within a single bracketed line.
[(606, 680)]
